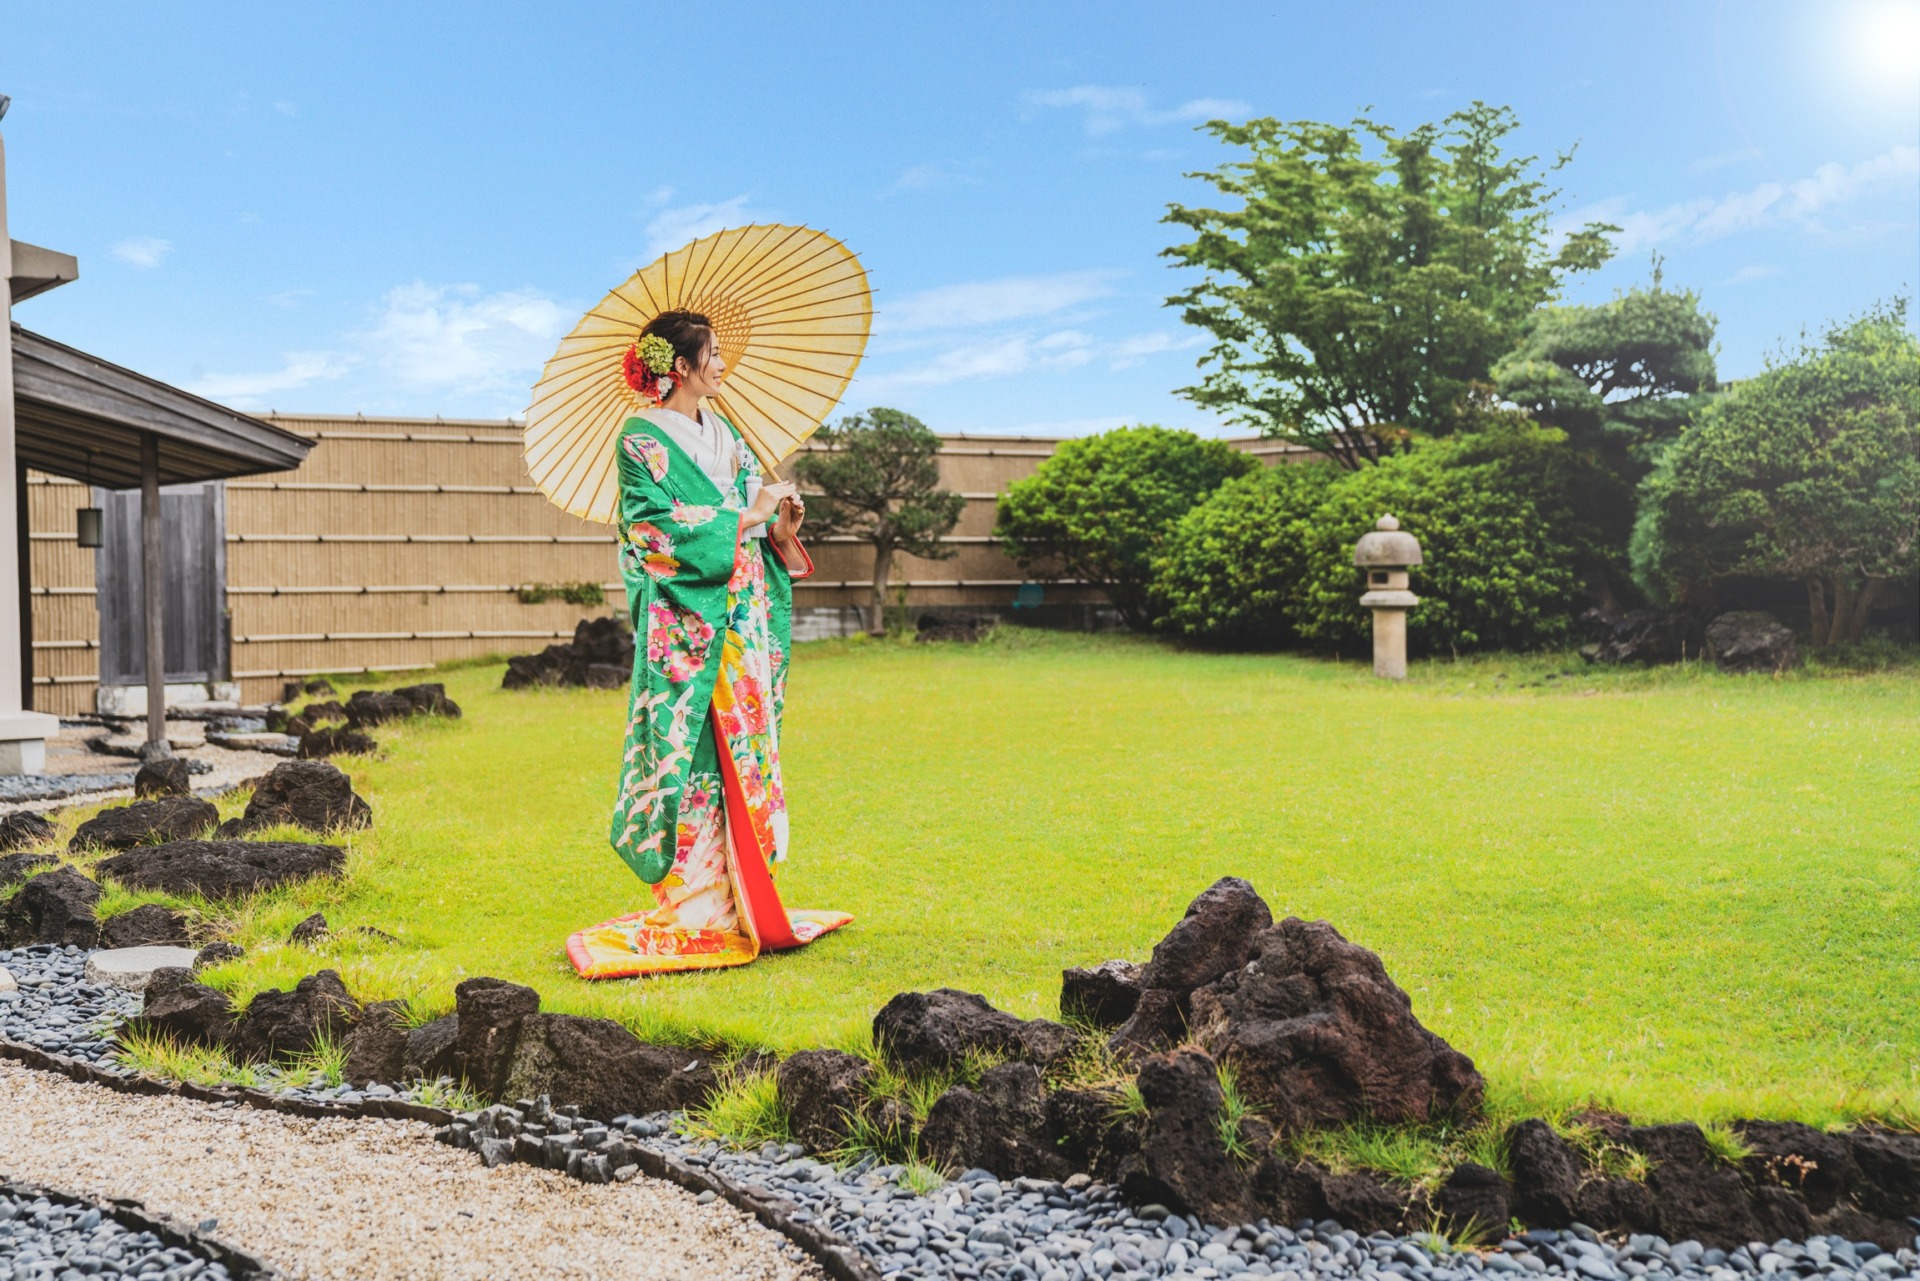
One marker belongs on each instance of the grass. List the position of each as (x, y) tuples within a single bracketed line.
[(1671, 892), (745, 1111)]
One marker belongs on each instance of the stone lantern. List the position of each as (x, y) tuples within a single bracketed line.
[(1386, 554)]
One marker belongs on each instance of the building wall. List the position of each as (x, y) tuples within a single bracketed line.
[(402, 543)]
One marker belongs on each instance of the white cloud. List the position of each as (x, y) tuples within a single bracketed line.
[(286, 109), (1800, 203), (676, 225), (457, 336), (302, 369), (937, 175), (1723, 159), (451, 339), (1108, 109), (999, 356), (144, 252), (1135, 351), (1752, 272), (992, 302)]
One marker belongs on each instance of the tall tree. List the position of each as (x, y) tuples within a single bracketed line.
[(1368, 277), (879, 480), (1621, 379), (1809, 472)]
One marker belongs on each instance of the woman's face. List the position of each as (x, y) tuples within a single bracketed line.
[(705, 381)]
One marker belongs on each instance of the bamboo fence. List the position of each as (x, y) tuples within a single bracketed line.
[(402, 543)]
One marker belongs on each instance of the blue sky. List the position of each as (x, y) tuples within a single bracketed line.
[(400, 208)]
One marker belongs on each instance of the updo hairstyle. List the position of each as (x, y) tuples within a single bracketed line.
[(688, 331)]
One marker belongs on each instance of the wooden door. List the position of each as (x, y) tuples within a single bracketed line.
[(193, 522)]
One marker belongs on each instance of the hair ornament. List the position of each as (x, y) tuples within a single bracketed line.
[(648, 368)]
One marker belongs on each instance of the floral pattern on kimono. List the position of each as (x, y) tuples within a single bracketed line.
[(714, 609)]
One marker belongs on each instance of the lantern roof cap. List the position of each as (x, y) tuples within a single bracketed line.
[(1388, 546)]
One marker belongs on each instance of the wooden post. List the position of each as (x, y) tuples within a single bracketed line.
[(23, 733), (153, 598)]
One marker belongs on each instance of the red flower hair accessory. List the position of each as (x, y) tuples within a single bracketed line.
[(648, 368)]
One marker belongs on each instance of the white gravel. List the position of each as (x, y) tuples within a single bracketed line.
[(365, 1199)]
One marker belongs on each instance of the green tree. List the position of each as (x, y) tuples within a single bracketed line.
[(1101, 506), (1620, 379), (879, 480), (1359, 290), (1809, 472)]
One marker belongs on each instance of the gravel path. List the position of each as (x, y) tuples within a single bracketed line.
[(359, 1199)]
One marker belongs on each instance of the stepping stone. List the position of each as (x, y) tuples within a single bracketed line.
[(278, 744), (129, 968), (7, 983)]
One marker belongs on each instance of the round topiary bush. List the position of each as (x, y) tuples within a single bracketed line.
[(1232, 563)]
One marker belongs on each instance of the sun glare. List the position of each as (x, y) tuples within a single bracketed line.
[(1883, 44)]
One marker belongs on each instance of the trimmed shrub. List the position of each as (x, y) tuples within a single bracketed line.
[(1233, 561), (1100, 509), (1268, 558)]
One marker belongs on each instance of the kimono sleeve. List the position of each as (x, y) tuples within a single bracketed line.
[(690, 543)]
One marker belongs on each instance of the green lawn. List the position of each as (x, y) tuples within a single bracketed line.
[(1678, 893)]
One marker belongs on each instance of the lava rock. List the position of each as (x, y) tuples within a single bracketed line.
[(607, 676), (965, 628), (998, 1125), (1104, 995), (148, 925), (491, 1012), (19, 830), (603, 1069), (428, 700), (1642, 636), (53, 907), (1547, 1171), (166, 777), (311, 932), (377, 1046), (310, 794), (600, 656), (822, 1091), (327, 713), (218, 953), (1089, 1129), (294, 690), (281, 1025), (370, 707), (1183, 1162), (1361, 1201), (1617, 1205), (181, 1010), (17, 867), (222, 869), (430, 1053), (938, 1029), (1816, 1165), (1851, 1224), (171, 818), (1319, 1035), (1214, 938), (1750, 641), (1695, 1196), (335, 742), (1889, 1173), (1475, 1202)]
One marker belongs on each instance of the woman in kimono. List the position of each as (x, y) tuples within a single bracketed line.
[(708, 552)]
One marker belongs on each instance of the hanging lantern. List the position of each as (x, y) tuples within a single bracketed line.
[(88, 524)]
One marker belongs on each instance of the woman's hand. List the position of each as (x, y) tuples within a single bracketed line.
[(766, 504), (792, 512)]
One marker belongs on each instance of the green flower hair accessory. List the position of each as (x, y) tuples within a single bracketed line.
[(657, 354)]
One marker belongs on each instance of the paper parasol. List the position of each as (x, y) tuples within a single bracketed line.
[(791, 309)]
